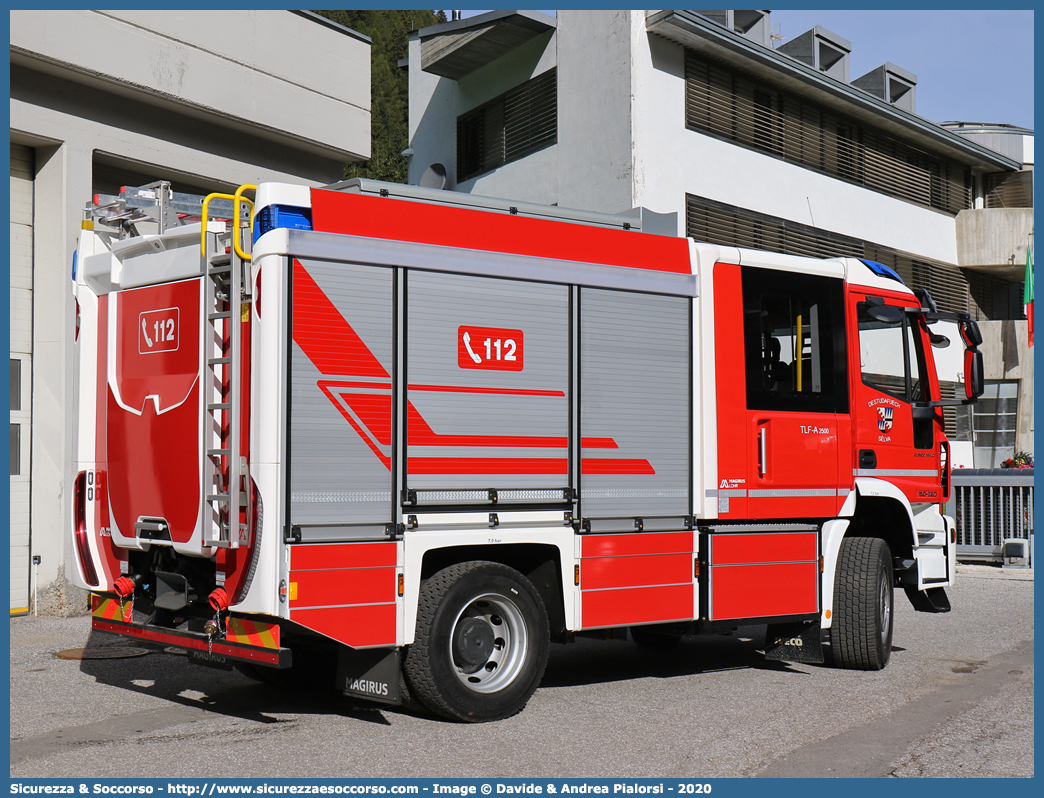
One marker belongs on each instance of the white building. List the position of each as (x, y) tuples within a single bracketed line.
[(209, 100), (695, 115)]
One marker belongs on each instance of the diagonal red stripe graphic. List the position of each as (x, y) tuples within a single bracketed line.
[(324, 336)]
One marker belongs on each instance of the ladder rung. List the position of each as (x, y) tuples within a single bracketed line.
[(216, 452), (213, 361), (219, 406), (217, 497), (222, 544), (224, 314)]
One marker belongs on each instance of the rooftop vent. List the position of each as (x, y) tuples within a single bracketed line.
[(892, 84), (753, 25), (822, 50)]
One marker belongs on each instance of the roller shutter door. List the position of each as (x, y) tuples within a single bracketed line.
[(21, 368), (634, 405)]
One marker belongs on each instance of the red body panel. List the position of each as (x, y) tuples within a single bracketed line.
[(636, 578), (757, 591), (628, 545), (346, 591), (359, 626), (760, 575), (401, 220), (766, 548), (607, 572), (603, 608), (731, 387)]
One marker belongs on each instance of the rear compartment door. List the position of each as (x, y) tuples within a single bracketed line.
[(153, 428)]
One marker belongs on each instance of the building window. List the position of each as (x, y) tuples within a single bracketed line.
[(982, 295), (994, 424), (515, 124), (736, 107)]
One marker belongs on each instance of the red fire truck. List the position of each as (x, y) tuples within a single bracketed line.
[(373, 429)]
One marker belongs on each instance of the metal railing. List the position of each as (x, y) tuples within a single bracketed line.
[(990, 506)]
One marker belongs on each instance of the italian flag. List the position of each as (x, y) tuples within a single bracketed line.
[(1027, 292)]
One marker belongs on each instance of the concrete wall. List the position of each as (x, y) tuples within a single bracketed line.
[(212, 99), (274, 74), (1006, 356), (994, 237)]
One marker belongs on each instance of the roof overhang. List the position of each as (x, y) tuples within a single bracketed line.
[(704, 36), (456, 49)]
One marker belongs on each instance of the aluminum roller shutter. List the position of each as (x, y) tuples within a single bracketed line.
[(496, 416), (635, 391), (340, 425)]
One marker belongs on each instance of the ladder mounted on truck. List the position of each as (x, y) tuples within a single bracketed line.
[(226, 474)]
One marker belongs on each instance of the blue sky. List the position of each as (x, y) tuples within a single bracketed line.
[(971, 66)]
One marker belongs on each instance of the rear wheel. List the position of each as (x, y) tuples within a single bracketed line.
[(861, 632), (482, 642)]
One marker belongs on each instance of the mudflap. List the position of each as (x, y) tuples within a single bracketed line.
[(932, 599), (794, 642), (371, 673)]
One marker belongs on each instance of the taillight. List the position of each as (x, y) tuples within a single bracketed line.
[(944, 468), (257, 294), (76, 337), (83, 548)]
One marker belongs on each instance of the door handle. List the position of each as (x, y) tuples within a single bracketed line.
[(762, 451), (867, 458)]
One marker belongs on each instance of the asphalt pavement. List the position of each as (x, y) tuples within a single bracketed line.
[(955, 700)]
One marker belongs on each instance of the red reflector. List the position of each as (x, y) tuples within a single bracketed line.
[(83, 548), (257, 294)]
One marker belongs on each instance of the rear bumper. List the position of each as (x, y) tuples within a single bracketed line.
[(243, 640)]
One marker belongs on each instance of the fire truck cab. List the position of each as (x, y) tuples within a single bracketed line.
[(372, 429)]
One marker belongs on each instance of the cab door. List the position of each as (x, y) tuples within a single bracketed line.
[(796, 392), (893, 439)]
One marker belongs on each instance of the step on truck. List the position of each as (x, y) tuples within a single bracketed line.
[(373, 430)]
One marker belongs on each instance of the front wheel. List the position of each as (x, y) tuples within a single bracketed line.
[(482, 642), (861, 633)]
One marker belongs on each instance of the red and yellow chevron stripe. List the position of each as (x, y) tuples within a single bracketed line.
[(111, 609), (252, 633)]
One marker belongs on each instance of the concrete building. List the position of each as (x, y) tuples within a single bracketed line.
[(695, 115), (209, 100)]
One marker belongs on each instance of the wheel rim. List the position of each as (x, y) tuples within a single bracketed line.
[(488, 643), (884, 601)]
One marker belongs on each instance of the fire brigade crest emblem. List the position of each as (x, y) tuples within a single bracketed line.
[(884, 418)]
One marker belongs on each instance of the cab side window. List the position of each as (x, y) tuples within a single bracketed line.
[(891, 357), (794, 341)]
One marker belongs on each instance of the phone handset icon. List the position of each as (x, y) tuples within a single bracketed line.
[(467, 345), (145, 332)]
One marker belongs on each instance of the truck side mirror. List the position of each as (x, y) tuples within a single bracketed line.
[(970, 332), (974, 384)]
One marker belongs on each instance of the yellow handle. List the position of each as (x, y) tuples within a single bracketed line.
[(236, 198)]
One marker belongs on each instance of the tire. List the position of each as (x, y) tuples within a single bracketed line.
[(864, 603), (482, 642), (666, 635)]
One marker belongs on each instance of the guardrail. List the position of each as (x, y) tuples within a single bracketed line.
[(990, 506)]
